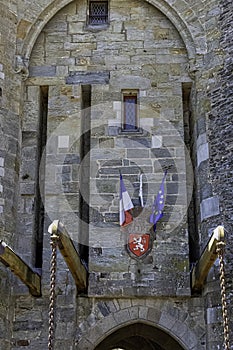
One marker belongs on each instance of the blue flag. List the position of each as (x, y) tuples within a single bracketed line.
[(157, 208)]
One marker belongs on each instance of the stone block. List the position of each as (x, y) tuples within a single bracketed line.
[(75, 27), (135, 81), (213, 315), (139, 153), (42, 71), (209, 207), (156, 141), (62, 70), (202, 153), (63, 141), (153, 315), (142, 312), (88, 78), (166, 320), (191, 339), (122, 315)]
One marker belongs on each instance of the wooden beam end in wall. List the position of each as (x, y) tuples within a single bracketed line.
[(206, 260), (21, 269)]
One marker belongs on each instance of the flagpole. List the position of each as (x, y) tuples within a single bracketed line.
[(140, 190)]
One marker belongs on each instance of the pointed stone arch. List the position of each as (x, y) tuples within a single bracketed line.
[(194, 40), (140, 335), (169, 332)]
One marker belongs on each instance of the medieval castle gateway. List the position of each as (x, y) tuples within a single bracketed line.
[(116, 173)]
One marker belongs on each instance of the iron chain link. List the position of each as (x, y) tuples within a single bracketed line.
[(52, 299), (53, 266), (220, 252)]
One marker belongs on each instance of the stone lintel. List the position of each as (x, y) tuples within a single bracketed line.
[(42, 71), (88, 78)]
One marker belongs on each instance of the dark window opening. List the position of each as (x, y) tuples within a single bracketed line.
[(40, 171), (98, 12), (85, 140), (189, 143), (130, 112)]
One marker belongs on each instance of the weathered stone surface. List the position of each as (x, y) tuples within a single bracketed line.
[(209, 207), (178, 56), (88, 78)]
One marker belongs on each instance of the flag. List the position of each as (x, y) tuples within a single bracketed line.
[(157, 208), (140, 192), (125, 205)]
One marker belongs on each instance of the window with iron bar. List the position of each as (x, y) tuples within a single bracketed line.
[(98, 12), (130, 111)]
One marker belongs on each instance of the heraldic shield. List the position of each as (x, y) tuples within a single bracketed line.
[(139, 245)]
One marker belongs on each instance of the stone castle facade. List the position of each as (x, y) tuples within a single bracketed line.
[(90, 90)]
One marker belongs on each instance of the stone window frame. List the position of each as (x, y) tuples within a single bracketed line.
[(97, 26), (129, 93)]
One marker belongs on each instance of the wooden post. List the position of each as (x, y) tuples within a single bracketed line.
[(70, 254), (207, 259), (10, 259)]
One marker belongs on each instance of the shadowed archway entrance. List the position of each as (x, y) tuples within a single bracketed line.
[(139, 336)]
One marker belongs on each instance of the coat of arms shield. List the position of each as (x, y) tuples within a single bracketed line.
[(139, 244)]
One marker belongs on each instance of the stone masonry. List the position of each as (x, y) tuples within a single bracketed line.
[(63, 148)]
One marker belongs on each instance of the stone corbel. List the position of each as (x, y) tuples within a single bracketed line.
[(192, 69), (21, 66)]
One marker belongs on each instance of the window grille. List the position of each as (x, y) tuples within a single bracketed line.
[(98, 12), (130, 122)]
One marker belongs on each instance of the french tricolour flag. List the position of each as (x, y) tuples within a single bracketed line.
[(125, 205)]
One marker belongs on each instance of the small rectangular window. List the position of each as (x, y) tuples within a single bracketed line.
[(130, 111), (98, 12)]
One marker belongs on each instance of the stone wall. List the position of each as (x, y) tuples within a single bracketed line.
[(151, 58), (108, 314), (220, 144), (166, 52), (9, 157)]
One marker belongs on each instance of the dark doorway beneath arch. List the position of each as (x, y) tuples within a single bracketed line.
[(139, 336)]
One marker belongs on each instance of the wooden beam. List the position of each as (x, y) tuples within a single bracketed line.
[(70, 254), (10, 259), (207, 259)]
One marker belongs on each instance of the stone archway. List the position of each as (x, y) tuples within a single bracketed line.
[(192, 42), (153, 328), (139, 336)]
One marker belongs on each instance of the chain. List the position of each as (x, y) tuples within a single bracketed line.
[(220, 252), (53, 265)]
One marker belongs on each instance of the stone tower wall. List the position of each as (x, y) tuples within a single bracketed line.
[(10, 88), (176, 49), (220, 168)]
